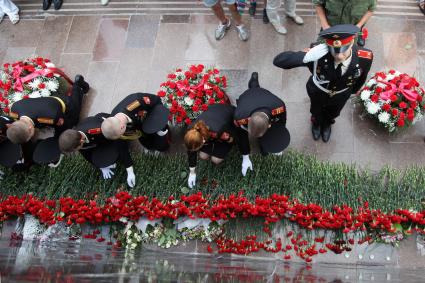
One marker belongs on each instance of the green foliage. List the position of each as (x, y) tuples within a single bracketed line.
[(295, 174)]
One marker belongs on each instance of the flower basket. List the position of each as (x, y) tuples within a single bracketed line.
[(394, 99), (187, 93), (30, 78)]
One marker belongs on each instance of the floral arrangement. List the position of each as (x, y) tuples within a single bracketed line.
[(30, 78), (187, 93), (195, 216), (394, 99)]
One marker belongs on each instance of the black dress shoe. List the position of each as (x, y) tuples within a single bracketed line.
[(252, 8), (360, 41), (57, 4), (326, 133), (265, 17), (46, 4), (315, 130), (79, 81), (253, 81)]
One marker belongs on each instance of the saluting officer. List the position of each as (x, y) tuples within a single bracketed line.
[(60, 112), (262, 115), (338, 69), (88, 139), (213, 134), (139, 116)]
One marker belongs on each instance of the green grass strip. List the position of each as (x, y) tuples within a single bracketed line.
[(294, 174)]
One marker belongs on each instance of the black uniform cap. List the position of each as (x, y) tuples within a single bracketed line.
[(10, 153), (339, 31), (276, 139), (156, 120), (47, 151), (105, 154)]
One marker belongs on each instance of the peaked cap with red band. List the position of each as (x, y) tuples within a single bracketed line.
[(339, 35)]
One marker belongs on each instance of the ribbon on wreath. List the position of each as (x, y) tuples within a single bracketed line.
[(407, 93), (200, 85), (19, 83)]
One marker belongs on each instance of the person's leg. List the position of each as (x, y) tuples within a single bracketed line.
[(290, 6), (10, 9), (242, 31), (331, 111), (225, 23), (316, 109), (253, 7), (272, 13)]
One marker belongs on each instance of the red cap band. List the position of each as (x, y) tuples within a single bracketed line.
[(339, 42)]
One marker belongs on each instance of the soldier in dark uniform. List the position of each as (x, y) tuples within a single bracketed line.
[(262, 115), (338, 69), (213, 134), (88, 139), (139, 116), (17, 157), (60, 112)]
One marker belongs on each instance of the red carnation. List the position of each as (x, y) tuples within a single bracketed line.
[(161, 93), (195, 108), (187, 121), (392, 72), (179, 119), (419, 98), (394, 112), (400, 123), (410, 116), (374, 98), (413, 104), (386, 107), (402, 105), (378, 90), (393, 97), (211, 101), (171, 76), (204, 107)]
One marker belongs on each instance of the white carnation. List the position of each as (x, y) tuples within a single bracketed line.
[(384, 117), (372, 107), (50, 65), (45, 92), (371, 82), (17, 96), (365, 94), (397, 73), (3, 76), (188, 101), (34, 94), (52, 85), (390, 77), (34, 84), (381, 85)]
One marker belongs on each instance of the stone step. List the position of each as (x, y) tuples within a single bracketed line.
[(32, 9)]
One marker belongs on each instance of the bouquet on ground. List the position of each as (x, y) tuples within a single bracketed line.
[(187, 93), (394, 99), (30, 78)]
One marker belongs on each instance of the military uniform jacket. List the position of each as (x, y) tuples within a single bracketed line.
[(345, 11), (219, 119), (137, 106), (43, 111), (4, 121), (91, 127), (324, 76)]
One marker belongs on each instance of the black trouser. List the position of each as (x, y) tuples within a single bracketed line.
[(156, 142), (323, 108), (124, 156)]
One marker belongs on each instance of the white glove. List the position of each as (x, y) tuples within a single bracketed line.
[(316, 53), (107, 172), (191, 181), (246, 163), (162, 133), (131, 178), (54, 165)]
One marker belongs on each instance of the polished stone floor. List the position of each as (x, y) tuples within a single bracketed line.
[(123, 54)]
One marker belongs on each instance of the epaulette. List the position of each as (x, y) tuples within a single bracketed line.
[(94, 131), (241, 122), (278, 110), (13, 115), (365, 54), (142, 113), (48, 121), (147, 100), (133, 105)]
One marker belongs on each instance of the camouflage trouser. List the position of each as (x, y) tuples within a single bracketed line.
[(273, 6)]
